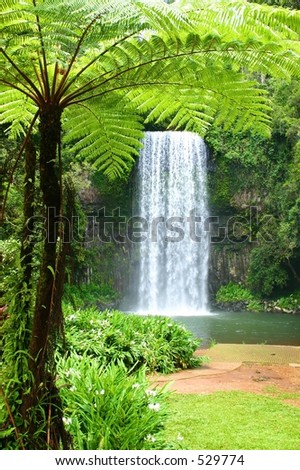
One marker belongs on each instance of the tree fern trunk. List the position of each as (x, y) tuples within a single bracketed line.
[(50, 128), (43, 391)]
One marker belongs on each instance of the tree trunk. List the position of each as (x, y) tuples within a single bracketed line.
[(50, 128), (47, 416)]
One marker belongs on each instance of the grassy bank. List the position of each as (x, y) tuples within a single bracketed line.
[(234, 420)]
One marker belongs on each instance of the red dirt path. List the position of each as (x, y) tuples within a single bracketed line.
[(261, 378), (254, 378)]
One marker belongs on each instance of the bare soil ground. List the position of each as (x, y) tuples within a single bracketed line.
[(280, 379), (270, 379)]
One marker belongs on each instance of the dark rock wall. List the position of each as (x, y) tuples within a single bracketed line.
[(228, 263)]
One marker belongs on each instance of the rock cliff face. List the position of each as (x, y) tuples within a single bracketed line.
[(228, 263), (107, 252)]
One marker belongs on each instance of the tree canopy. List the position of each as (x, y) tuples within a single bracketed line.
[(114, 64)]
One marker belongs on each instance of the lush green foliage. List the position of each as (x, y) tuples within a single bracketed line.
[(115, 65), (250, 171), (233, 293), (107, 409), (281, 3), (111, 351), (255, 306), (266, 271), (289, 303), (238, 294), (89, 295), (100, 66), (9, 262), (234, 420), (159, 343)]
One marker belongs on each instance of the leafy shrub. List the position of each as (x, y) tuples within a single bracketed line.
[(233, 293), (266, 271), (104, 408), (255, 306), (9, 266), (159, 343), (87, 295), (291, 302)]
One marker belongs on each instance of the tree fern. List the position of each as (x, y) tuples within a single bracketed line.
[(88, 72), (116, 53)]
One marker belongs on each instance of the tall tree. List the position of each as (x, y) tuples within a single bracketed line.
[(90, 71)]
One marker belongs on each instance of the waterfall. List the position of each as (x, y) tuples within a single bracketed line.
[(172, 208)]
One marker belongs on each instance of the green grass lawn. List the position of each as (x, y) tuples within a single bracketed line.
[(234, 420)]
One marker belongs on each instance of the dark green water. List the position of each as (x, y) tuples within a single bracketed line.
[(245, 327)]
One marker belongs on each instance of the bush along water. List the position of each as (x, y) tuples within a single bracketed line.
[(107, 399), (158, 343), (86, 295), (237, 297), (105, 408), (287, 304)]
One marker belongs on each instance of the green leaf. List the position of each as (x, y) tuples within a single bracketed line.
[(51, 270)]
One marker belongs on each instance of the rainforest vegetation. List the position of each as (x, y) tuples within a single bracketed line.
[(80, 82)]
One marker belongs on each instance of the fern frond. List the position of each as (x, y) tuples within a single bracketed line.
[(16, 111), (157, 60), (242, 19), (181, 64), (105, 134), (195, 107)]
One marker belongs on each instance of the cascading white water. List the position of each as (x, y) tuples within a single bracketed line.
[(172, 205)]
